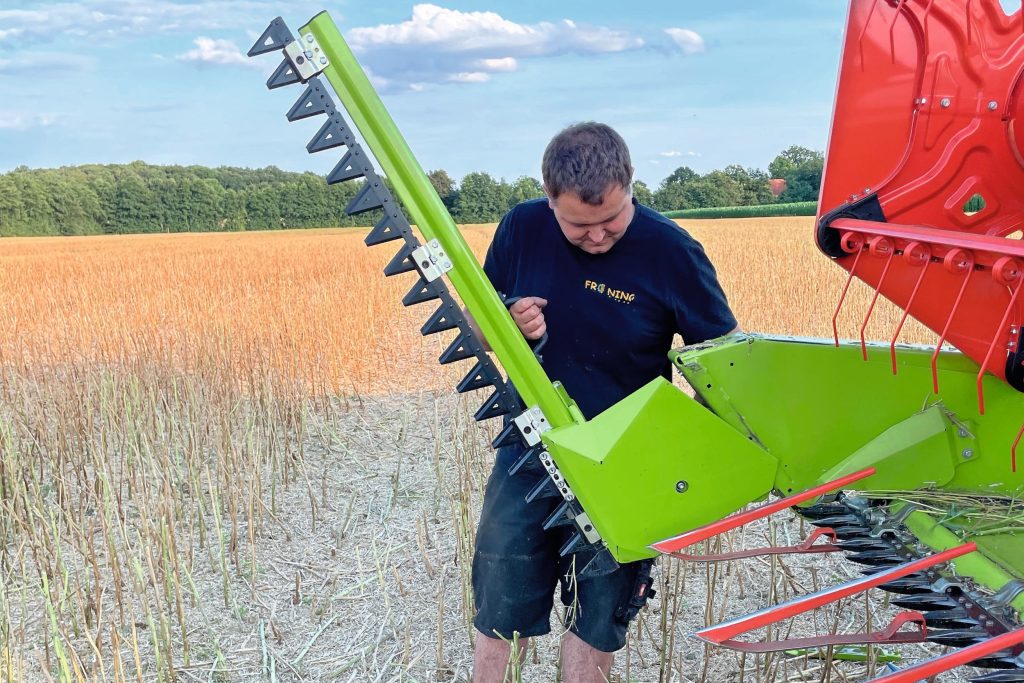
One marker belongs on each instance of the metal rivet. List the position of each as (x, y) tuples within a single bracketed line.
[(309, 54), (968, 453), (681, 486), (309, 37), (323, 60), (945, 102), (992, 105)]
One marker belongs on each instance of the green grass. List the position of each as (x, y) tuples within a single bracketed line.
[(755, 211)]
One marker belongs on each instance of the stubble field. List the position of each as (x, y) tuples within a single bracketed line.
[(232, 457)]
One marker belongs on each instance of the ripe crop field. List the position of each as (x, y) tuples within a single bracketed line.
[(233, 457)]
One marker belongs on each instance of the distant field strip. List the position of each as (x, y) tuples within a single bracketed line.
[(312, 309), (754, 211)]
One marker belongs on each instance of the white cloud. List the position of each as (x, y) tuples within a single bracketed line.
[(99, 20), (671, 153), (38, 63), (690, 42), (437, 44), (21, 121), (217, 52)]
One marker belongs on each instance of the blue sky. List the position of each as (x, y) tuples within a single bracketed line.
[(473, 86)]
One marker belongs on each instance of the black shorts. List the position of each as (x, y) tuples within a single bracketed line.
[(516, 566)]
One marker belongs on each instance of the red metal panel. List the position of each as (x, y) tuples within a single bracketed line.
[(927, 115)]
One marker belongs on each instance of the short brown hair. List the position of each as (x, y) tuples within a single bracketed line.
[(586, 158)]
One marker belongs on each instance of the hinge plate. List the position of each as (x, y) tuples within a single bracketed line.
[(306, 56), (532, 424), (431, 260)]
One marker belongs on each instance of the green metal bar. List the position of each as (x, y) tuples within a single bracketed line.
[(431, 217), (975, 565)]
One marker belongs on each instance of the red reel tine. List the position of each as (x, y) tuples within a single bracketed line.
[(957, 262), (880, 247), (1007, 273), (916, 255), (851, 243)]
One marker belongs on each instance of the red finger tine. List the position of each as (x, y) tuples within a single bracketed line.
[(877, 246), (956, 261), (851, 243), (917, 255), (1006, 272)]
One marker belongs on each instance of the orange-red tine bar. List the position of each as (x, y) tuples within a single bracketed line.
[(956, 261), (966, 655), (1005, 272), (677, 543), (808, 546), (725, 631), (877, 246), (916, 254), (851, 243)]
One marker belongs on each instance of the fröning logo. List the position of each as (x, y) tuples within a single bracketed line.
[(616, 294)]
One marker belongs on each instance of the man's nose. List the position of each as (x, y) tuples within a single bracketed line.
[(596, 234)]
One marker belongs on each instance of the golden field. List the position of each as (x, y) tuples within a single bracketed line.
[(312, 309), (233, 457)]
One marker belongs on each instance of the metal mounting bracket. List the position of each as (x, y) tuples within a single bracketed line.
[(306, 56), (431, 261), (532, 424)]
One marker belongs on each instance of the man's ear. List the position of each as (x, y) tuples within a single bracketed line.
[(551, 200)]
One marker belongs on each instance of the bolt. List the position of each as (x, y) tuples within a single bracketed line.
[(867, 190), (945, 102), (681, 486), (968, 454), (962, 433), (309, 54), (323, 60), (924, 100), (309, 37), (992, 105)]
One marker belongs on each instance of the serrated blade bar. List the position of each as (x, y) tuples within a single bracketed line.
[(283, 75), (314, 100), (492, 407), (334, 133)]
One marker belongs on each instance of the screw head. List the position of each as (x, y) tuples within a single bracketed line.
[(309, 54), (962, 433), (992, 105), (309, 37), (945, 102), (682, 486), (968, 454), (323, 60)]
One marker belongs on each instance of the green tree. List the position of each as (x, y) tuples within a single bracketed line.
[(481, 199), (801, 168), (642, 193), (524, 188)]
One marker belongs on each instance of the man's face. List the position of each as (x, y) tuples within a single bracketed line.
[(594, 228)]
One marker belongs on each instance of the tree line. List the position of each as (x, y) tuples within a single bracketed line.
[(139, 197)]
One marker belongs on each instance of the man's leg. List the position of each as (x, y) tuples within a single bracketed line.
[(582, 663), (491, 657)]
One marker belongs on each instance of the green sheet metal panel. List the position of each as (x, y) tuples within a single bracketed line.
[(627, 463)]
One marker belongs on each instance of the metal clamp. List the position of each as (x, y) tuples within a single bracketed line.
[(556, 475), (306, 56), (431, 260), (532, 424)]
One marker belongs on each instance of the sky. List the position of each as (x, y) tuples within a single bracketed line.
[(473, 86)]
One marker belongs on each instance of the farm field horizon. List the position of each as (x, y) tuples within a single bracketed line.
[(233, 457)]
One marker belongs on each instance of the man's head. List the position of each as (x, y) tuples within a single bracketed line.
[(587, 177)]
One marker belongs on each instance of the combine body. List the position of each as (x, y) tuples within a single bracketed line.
[(920, 200)]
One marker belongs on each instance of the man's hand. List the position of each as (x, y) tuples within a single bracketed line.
[(529, 316)]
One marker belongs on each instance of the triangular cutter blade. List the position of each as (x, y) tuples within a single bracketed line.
[(387, 229), (562, 516), (545, 488), (492, 407), (276, 37), (283, 75), (421, 292), (601, 564), (334, 133), (509, 436), (402, 262), (459, 349), (368, 199), (575, 543), (352, 165), (446, 317), (313, 100), (528, 455), (479, 377)]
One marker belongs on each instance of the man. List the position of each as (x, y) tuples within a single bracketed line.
[(610, 281)]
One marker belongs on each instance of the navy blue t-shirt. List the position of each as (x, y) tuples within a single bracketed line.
[(610, 317)]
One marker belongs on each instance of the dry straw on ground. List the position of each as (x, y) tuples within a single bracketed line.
[(233, 458)]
